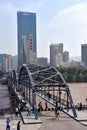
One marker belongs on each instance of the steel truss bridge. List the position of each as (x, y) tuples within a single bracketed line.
[(46, 82)]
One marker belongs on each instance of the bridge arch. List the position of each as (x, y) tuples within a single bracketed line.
[(44, 81)]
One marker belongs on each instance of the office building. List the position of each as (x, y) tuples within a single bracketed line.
[(84, 54), (56, 54), (42, 61), (9, 63), (26, 23), (66, 56), (3, 62), (6, 62)]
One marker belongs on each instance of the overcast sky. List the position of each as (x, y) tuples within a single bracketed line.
[(58, 21)]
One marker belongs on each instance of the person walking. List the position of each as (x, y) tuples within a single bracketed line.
[(16, 111), (28, 111), (8, 124), (18, 125), (46, 106), (58, 106), (56, 113)]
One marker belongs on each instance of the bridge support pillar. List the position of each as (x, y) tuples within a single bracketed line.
[(34, 103)]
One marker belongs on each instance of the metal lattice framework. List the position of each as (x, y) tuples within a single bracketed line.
[(46, 82)]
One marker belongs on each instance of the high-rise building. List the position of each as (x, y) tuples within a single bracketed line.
[(56, 54), (26, 23), (6, 62), (9, 62), (66, 56), (84, 54)]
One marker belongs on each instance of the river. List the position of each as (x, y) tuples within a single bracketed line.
[(78, 92)]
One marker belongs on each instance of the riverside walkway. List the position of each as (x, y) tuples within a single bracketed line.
[(48, 122)]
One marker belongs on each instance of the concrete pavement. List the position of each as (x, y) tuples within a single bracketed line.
[(49, 122), (81, 116), (14, 121), (65, 122), (30, 119)]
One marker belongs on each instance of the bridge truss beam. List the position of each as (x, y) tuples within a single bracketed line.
[(44, 81)]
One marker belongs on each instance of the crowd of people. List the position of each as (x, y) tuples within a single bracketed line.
[(57, 108), (40, 106), (18, 109)]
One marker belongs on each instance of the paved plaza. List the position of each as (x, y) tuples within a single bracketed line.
[(65, 122), (14, 121), (49, 122)]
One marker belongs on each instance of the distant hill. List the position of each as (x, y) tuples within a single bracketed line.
[(76, 58)]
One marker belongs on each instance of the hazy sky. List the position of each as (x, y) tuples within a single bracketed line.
[(58, 21)]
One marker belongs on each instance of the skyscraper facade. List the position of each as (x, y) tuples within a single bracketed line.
[(26, 25), (84, 54), (56, 54)]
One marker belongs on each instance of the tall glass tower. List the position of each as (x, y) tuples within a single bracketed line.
[(26, 28)]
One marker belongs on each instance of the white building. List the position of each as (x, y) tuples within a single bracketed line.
[(56, 54), (28, 56)]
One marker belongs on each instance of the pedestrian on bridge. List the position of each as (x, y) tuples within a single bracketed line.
[(40, 108), (16, 111), (58, 105), (46, 106), (56, 113)]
